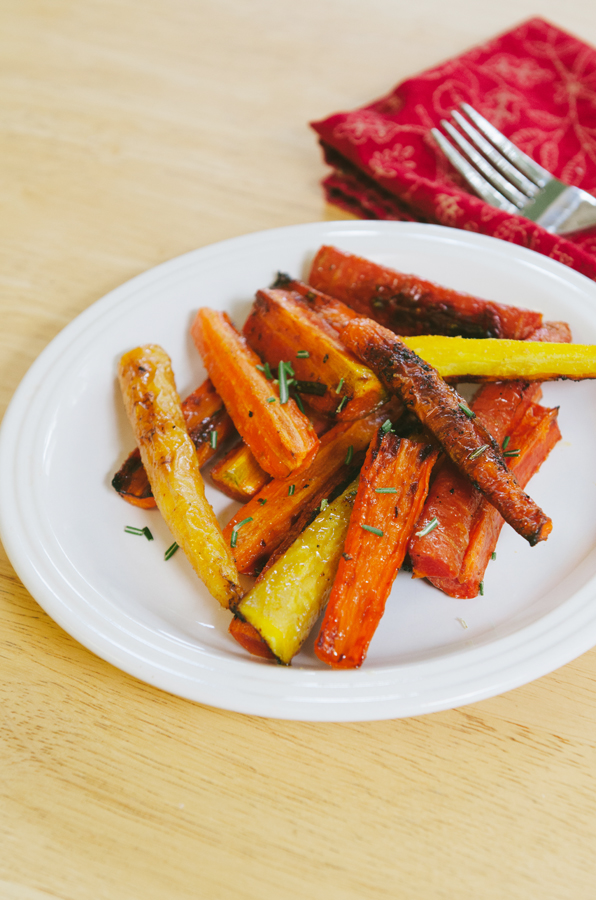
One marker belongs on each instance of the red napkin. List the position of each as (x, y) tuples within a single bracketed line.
[(536, 84)]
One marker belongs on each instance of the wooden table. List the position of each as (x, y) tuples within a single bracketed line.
[(130, 133)]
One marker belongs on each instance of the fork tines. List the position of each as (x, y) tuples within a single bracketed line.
[(493, 167)]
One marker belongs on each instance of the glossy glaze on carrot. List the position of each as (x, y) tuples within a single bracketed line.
[(534, 437), (409, 305), (204, 413), (284, 507), (438, 406), (391, 492), (280, 436), (452, 499)]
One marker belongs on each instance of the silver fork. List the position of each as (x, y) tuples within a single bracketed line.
[(510, 180)]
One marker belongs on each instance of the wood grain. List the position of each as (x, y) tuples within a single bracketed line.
[(130, 133)]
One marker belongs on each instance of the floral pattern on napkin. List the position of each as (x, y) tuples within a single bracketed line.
[(536, 84)]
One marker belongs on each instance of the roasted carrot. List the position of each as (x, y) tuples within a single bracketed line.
[(533, 439), (238, 475), (336, 313), (273, 519), (249, 638), (444, 412), (391, 492), (283, 327), (170, 460), (280, 436), (410, 305), (204, 414), (452, 499)]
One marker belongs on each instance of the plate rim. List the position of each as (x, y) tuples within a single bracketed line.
[(286, 705)]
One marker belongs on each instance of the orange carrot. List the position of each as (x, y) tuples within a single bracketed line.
[(409, 305), (452, 499), (534, 438), (393, 485), (273, 519), (444, 412), (283, 327), (280, 436), (249, 638)]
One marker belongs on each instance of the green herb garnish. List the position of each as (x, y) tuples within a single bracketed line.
[(386, 426), (481, 588), (339, 386), (428, 528), (271, 399), (130, 529), (387, 490), (291, 490), (302, 354), (372, 530), (213, 439), (236, 529), (506, 442), (342, 403), (349, 455), (324, 505), (478, 452), (511, 452), (284, 394), (170, 551), (466, 409)]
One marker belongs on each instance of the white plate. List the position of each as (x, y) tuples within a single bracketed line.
[(65, 434)]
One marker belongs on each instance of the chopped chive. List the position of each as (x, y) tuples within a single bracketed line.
[(481, 588), (342, 403), (262, 501), (339, 386), (260, 368), (147, 533), (213, 439), (349, 455), (386, 426), (372, 529), (387, 490), (326, 357), (324, 505), (466, 409), (130, 529), (506, 441), (284, 394), (299, 402), (236, 529), (291, 490), (428, 528), (271, 399), (511, 452), (478, 452), (268, 372), (170, 551), (302, 354), (493, 555)]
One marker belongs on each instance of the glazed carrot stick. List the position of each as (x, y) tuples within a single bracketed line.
[(204, 414), (282, 326), (533, 439), (272, 520), (391, 492), (452, 499), (238, 475), (444, 412), (168, 454), (280, 436), (410, 305)]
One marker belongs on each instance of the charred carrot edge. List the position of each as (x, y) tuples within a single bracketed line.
[(452, 500), (280, 436), (155, 413), (410, 305), (535, 437), (336, 313), (282, 327), (249, 638), (393, 486), (204, 413), (444, 412), (272, 520), (238, 475)]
